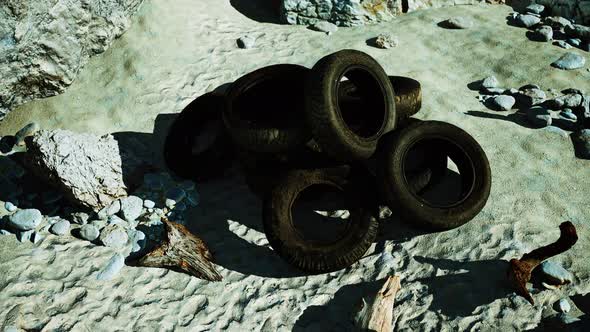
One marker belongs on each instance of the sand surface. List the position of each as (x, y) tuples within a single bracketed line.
[(454, 280)]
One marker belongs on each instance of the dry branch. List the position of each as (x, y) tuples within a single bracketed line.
[(377, 314)]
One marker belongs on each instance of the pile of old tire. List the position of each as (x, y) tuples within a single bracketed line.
[(345, 125)]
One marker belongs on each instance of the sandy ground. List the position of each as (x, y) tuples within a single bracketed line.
[(454, 280)]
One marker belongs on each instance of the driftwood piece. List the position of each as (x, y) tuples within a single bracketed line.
[(183, 251), (377, 313), (520, 270)]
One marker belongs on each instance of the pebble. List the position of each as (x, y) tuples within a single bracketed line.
[(26, 131), (535, 8), (80, 218), (543, 33), (568, 114), (89, 232), (25, 220), (60, 227), (574, 42), (112, 268), (113, 236), (246, 42), (10, 207), (527, 21), (324, 26), (131, 207), (490, 82), (36, 237), (170, 203), (504, 102), (539, 116), (148, 204), (571, 100), (137, 238), (582, 143), (555, 273), (458, 22), (386, 41), (24, 236), (562, 44), (569, 61), (564, 306)]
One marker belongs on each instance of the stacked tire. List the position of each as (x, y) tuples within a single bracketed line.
[(345, 125)]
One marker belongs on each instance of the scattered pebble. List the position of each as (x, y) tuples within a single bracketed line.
[(562, 44), (113, 267), (60, 228), (324, 26), (535, 9), (25, 220), (539, 116), (555, 273), (564, 306), (490, 82), (131, 207), (89, 232), (26, 131), (458, 22), (148, 204), (504, 102), (113, 236), (527, 20), (10, 207), (543, 33), (569, 61), (246, 42), (386, 41)]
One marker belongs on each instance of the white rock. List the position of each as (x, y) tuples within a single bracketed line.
[(10, 207), (89, 232), (324, 26), (112, 268), (564, 306), (490, 82), (504, 102), (25, 220), (131, 207), (149, 204), (386, 41), (246, 42), (113, 236), (459, 22), (60, 228)]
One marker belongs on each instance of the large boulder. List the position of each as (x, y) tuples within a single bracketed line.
[(44, 43)]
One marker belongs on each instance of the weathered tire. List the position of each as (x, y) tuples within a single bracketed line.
[(463, 149), (408, 96), (201, 115), (339, 131), (314, 256), (264, 109)]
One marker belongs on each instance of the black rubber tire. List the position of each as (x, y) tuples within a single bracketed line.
[(463, 149), (179, 155), (310, 256), (408, 96), (265, 110), (330, 124)]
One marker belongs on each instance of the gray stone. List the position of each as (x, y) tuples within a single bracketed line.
[(28, 130), (490, 82), (246, 42), (574, 42), (60, 228), (535, 8), (45, 43), (568, 114), (89, 232), (555, 273), (539, 116), (581, 140), (543, 33), (563, 306), (386, 41), (113, 236), (131, 207), (36, 237), (569, 61), (80, 218), (555, 103), (5, 232), (149, 204), (24, 236), (458, 22), (324, 26), (112, 268), (570, 100), (25, 220), (578, 31), (137, 239), (504, 102), (10, 207), (562, 44), (530, 97), (114, 220), (528, 20), (557, 22)]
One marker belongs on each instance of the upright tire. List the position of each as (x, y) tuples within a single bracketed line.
[(314, 256), (265, 110), (341, 132), (466, 153)]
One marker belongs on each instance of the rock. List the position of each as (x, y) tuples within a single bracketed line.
[(131, 207), (566, 319), (574, 42), (555, 103), (570, 100), (137, 239), (557, 22), (80, 218), (530, 97), (535, 9), (89, 232), (24, 236), (170, 203), (562, 44), (340, 12), (149, 204), (112, 209), (490, 82), (44, 44), (113, 267), (503, 102), (386, 41), (86, 168), (569, 61), (543, 33), (25, 220), (568, 114), (578, 31), (5, 232), (555, 273), (324, 26), (511, 91), (26, 131), (539, 116), (246, 42), (493, 91), (581, 140), (36, 237), (100, 224), (563, 306), (458, 22), (527, 21), (113, 236), (556, 130), (60, 228), (10, 207)]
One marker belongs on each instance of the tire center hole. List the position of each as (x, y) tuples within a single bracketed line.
[(320, 214)]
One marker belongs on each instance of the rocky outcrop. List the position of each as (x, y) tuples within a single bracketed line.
[(44, 43)]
